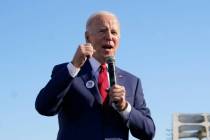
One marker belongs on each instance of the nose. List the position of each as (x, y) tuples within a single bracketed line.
[(108, 35)]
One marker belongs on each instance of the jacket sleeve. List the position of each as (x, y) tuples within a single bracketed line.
[(140, 122), (49, 99)]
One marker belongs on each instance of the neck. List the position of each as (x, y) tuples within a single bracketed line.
[(100, 60)]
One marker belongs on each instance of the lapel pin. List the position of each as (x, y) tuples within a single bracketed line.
[(90, 84), (120, 76)]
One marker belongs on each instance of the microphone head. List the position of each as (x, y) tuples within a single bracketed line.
[(111, 69), (110, 59)]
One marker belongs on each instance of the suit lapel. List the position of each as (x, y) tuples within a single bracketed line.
[(122, 80), (90, 81), (120, 77)]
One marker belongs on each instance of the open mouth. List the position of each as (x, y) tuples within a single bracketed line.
[(107, 47)]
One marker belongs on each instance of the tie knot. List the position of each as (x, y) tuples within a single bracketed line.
[(103, 67)]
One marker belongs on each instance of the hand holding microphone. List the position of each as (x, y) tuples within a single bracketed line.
[(116, 92)]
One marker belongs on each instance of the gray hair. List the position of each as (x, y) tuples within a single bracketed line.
[(94, 15)]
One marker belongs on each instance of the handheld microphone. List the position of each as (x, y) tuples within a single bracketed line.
[(111, 69)]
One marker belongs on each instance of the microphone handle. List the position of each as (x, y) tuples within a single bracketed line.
[(112, 75)]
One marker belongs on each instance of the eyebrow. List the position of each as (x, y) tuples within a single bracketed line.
[(104, 27)]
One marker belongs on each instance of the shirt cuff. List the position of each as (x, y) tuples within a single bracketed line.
[(73, 71)]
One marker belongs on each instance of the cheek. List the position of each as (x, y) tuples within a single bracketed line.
[(116, 41), (95, 43)]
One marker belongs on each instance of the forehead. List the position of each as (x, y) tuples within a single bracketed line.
[(108, 21)]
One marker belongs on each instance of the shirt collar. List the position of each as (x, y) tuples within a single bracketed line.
[(94, 64)]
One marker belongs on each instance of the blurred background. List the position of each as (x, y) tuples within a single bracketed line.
[(166, 43)]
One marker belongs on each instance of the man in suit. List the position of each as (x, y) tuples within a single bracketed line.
[(78, 93)]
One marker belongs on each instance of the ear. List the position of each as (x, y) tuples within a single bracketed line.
[(87, 37)]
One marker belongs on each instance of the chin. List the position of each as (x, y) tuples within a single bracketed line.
[(108, 54)]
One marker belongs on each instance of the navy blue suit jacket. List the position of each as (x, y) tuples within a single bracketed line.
[(80, 111)]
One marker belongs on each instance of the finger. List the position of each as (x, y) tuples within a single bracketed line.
[(88, 44), (87, 50), (118, 100), (88, 53), (117, 96), (118, 90), (118, 86)]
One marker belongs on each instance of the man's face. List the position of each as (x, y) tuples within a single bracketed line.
[(104, 35)]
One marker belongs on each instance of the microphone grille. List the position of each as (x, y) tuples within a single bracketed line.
[(110, 59)]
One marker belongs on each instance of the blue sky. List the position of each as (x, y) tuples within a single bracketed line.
[(166, 43)]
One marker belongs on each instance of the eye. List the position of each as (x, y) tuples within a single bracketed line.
[(114, 32), (102, 30)]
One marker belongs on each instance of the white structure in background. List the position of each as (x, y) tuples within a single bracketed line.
[(191, 126)]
